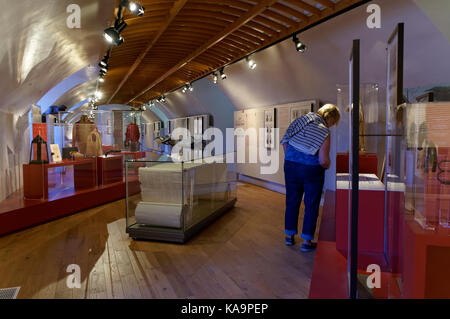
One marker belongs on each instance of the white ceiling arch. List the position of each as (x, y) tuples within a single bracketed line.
[(40, 51)]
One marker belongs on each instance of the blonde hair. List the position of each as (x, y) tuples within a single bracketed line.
[(330, 113)]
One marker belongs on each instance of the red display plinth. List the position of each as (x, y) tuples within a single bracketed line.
[(394, 226), (368, 163), (370, 217), (331, 282), (131, 155), (109, 169), (426, 262), (35, 176)]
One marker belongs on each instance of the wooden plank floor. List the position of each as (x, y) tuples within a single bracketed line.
[(242, 255)]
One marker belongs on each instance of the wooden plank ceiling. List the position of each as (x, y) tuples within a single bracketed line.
[(179, 41)]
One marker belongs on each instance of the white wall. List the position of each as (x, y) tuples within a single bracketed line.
[(14, 151)]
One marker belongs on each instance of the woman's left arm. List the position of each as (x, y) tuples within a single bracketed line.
[(324, 153)]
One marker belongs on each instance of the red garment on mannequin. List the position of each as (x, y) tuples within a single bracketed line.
[(133, 133)]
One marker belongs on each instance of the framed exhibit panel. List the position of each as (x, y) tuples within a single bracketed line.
[(170, 126), (270, 123), (180, 123), (157, 127), (255, 118), (240, 119), (198, 125), (56, 153), (301, 108)]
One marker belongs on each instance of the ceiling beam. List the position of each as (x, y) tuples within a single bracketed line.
[(248, 16), (327, 3), (172, 14), (305, 6)]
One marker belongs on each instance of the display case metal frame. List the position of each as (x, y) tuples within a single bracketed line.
[(354, 80), (394, 97)]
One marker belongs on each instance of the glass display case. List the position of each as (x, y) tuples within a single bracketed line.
[(80, 157), (427, 163), (128, 130), (371, 131), (369, 192), (424, 172), (171, 201), (393, 224)]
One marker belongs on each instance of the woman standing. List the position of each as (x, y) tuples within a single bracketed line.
[(307, 146)]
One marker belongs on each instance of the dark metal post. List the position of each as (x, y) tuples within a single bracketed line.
[(355, 172)]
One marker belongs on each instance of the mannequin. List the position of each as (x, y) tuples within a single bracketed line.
[(133, 136), (94, 143), (80, 133)]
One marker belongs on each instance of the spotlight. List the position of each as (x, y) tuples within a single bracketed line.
[(251, 63), (112, 34), (151, 104), (113, 37), (98, 95), (190, 87), (215, 78), (223, 76), (104, 70), (185, 88), (134, 8), (299, 46), (104, 62), (101, 79)]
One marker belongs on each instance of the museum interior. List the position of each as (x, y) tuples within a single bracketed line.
[(140, 148)]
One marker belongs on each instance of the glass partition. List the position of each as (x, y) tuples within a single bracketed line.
[(128, 129), (425, 176)]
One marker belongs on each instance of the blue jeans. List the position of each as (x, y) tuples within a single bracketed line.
[(302, 179)]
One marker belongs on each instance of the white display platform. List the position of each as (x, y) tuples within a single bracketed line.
[(366, 182)]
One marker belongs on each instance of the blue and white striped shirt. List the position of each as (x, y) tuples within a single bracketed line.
[(307, 133)]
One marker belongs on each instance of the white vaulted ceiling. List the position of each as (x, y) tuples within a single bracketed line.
[(39, 51), (437, 11)]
